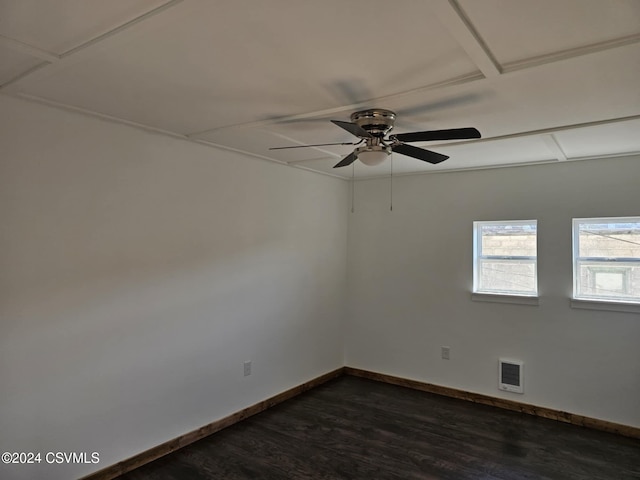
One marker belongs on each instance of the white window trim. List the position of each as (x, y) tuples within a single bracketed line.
[(502, 297), (595, 303), (605, 305)]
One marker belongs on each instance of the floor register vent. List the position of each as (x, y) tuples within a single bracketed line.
[(510, 376)]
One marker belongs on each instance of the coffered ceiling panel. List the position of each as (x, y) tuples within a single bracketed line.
[(612, 139), (59, 25), (518, 30), (230, 62), (13, 63)]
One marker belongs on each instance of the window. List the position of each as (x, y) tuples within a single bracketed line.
[(505, 258), (606, 259)]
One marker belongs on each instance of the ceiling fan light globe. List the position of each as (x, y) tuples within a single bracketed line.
[(372, 159)]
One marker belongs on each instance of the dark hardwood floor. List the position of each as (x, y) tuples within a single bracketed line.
[(352, 428)]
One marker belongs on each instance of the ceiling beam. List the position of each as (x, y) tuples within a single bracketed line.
[(570, 53), (125, 26), (27, 49), (453, 18), (554, 146), (502, 165), (542, 131)]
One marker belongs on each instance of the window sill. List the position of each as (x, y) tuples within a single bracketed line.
[(513, 299), (605, 305)]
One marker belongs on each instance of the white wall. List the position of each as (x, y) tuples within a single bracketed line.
[(138, 272), (410, 277)]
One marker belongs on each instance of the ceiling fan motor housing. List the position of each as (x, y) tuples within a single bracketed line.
[(377, 121)]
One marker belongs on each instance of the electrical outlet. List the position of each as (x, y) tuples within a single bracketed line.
[(247, 368), (444, 353)]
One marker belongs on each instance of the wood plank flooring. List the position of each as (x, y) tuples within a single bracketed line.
[(354, 428)]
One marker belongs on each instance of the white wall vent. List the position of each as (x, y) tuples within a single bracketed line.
[(510, 378)]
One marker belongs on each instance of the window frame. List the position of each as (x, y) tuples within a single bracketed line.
[(601, 263), (501, 295)]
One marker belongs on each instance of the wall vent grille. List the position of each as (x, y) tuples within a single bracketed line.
[(510, 375)]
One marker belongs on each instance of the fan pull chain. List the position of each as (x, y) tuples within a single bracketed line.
[(391, 186), (353, 187)]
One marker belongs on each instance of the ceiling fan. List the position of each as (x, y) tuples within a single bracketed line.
[(372, 125)]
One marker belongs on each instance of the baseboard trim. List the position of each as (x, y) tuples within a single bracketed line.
[(120, 468), (543, 412)]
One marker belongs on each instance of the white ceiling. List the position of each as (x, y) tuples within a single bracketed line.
[(550, 80)]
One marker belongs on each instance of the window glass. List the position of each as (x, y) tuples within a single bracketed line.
[(505, 257), (606, 255)]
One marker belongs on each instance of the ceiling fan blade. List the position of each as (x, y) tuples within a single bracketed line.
[(353, 129), (450, 134), (348, 160), (314, 145), (419, 153)]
